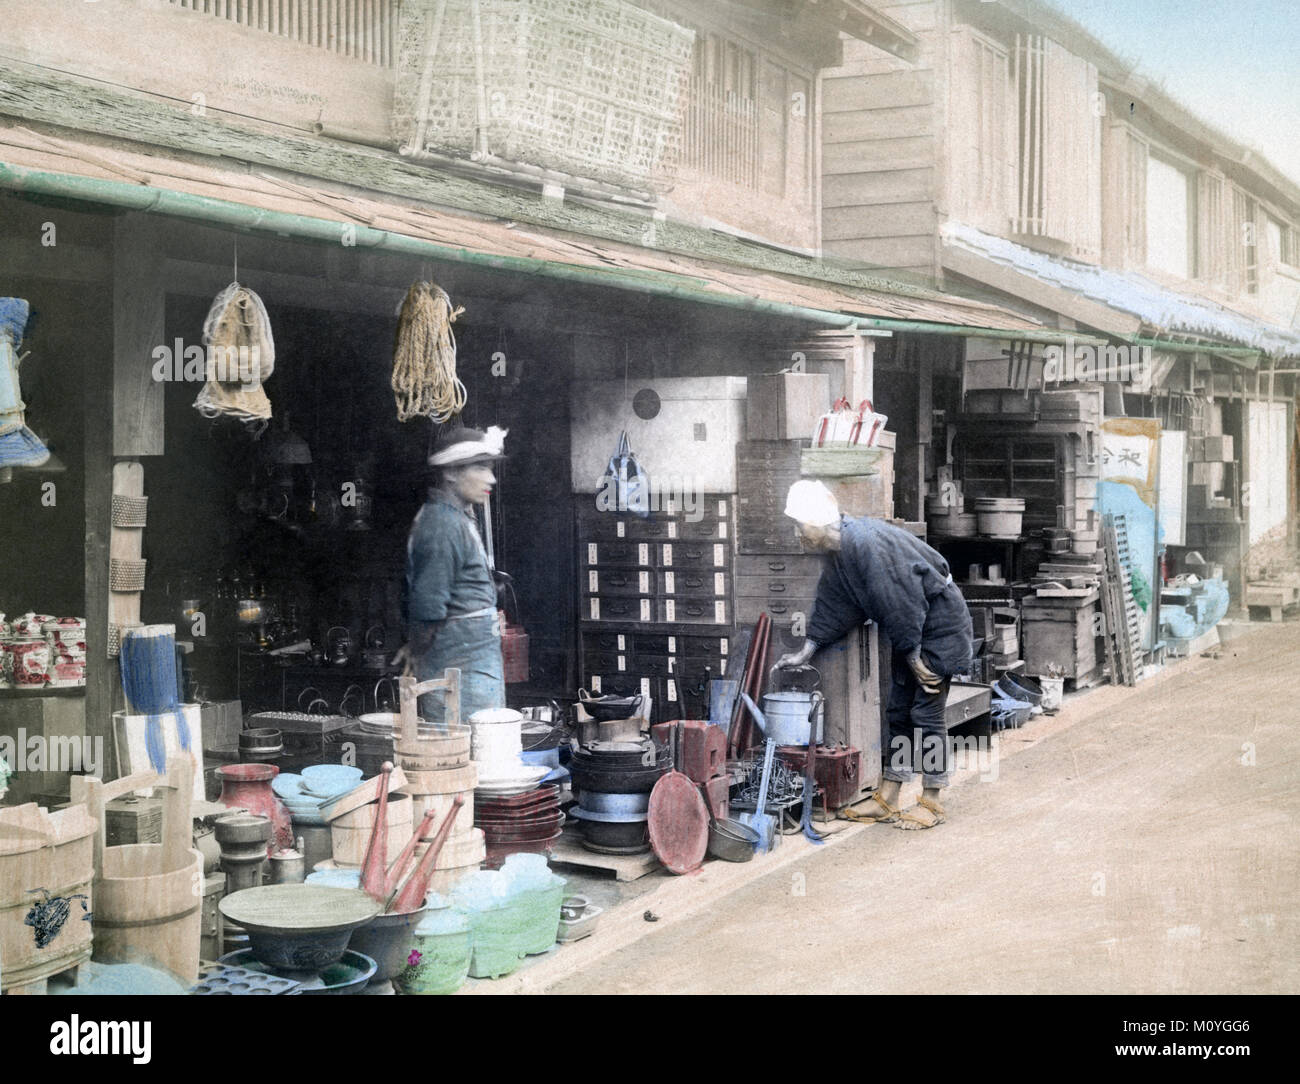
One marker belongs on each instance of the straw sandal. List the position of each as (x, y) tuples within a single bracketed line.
[(934, 815), (888, 814)]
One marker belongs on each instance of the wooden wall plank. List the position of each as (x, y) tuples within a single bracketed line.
[(876, 155), (879, 220), (888, 252), (899, 186), (903, 88), (885, 123)]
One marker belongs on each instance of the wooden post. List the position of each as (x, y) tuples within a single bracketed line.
[(139, 300), (124, 416)]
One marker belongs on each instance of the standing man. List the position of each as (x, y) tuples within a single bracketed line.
[(882, 573), (450, 591)]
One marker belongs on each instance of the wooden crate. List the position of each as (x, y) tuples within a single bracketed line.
[(1059, 634), (785, 406)]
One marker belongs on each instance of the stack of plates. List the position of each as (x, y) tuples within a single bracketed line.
[(388, 724), (510, 779), (522, 823)]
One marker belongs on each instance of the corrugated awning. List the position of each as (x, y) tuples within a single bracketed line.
[(280, 201), (1122, 303)]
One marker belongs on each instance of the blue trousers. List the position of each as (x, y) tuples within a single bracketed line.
[(918, 738), (473, 646)]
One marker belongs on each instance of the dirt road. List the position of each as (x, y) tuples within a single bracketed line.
[(1150, 847)]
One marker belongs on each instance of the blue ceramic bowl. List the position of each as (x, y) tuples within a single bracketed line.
[(287, 785), (330, 780)]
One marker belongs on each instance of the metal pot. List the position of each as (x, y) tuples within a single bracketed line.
[(732, 841)]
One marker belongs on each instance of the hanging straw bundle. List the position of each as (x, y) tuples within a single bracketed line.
[(424, 356), (241, 354)]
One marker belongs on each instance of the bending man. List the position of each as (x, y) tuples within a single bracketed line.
[(882, 573)]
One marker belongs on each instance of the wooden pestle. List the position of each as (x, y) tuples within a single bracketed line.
[(413, 892), (399, 869), (374, 867)]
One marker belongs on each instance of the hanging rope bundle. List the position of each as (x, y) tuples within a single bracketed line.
[(240, 355), (424, 356)]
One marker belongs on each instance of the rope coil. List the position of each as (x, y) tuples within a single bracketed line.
[(424, 356)]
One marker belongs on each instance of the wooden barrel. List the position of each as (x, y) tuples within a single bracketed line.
[(437, 791), (350, 833), (54, 852), (145, 914)]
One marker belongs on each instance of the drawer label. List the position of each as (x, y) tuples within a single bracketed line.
[(668, 553), (595, 683), (722, 647), (645, 610), (644, 580), (643, 553), (595, 609), (672, 664), (722, 509), (670, 583), (719, 583), (670, 610), (645, 688), (719, 554), (621, 528), (672, 645), (672, 529), (622, 663), (593, 581), (672, 691), (722, 529), (591, 553), (622, 642), (720, 613)]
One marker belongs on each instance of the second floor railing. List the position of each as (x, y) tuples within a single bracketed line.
[(363, 29), (720, 136)]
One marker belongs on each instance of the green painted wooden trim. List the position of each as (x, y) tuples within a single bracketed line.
[(241, 216)]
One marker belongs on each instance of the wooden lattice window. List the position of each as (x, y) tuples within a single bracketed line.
[(364, 29), (1059, 145)]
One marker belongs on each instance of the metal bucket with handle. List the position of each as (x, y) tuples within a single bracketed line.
[(795, 716)]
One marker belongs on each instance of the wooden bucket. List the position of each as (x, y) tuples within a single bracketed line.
[(55, 852), (437, 791), (148, 896), (350, 833), (148, 914)]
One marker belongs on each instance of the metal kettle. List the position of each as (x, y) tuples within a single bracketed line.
[(338, 649)]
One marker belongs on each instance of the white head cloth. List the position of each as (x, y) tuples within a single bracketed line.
[(812, 503), (492, 444)]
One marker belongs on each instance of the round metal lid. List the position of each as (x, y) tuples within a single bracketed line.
[(678, 823)]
